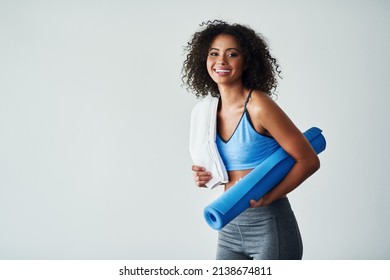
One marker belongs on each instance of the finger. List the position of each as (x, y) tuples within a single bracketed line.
[(201, 183), (255, 203), (198, 168), (202, 175), (201, 180)]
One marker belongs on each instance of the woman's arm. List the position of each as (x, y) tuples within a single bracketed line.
[(268, 117)]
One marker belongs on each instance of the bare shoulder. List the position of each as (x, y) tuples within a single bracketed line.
[(261, 102), (267, 117), (262, 108)]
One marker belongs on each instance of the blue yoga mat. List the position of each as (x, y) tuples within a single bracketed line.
[(256, 183)]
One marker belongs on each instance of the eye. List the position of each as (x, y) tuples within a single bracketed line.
[(232, 54), (213, 54)]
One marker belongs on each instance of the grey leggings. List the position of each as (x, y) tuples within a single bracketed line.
[(264, 233)]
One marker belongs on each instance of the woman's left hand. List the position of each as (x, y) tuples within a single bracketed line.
[(259, 203)]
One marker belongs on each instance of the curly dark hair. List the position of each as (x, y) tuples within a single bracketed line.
[(260, 71)]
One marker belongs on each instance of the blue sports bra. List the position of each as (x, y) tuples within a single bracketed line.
[(246, 148)]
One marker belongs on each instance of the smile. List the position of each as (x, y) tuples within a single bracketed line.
[(222, 70)]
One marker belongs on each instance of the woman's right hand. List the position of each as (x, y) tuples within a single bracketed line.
[(201, 176)]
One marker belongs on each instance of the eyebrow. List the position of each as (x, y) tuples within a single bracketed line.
[(228, 49)]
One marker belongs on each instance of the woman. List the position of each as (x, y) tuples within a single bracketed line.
[(233, 62)]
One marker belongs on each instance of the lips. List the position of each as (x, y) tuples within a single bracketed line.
[(222, 72)]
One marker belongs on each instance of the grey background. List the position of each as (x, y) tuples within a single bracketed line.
[(94, 124)]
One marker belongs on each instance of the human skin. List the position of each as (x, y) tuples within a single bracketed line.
[(225, 65)]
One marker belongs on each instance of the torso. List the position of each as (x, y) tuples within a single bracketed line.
[(227, 123)]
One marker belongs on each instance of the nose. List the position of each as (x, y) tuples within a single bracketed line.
[(221, 62)]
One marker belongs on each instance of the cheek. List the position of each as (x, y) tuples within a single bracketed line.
[(240, 67), (209, 65), (239, 64), (208, 62)]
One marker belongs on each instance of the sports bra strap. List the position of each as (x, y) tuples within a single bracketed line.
[(247, 99)]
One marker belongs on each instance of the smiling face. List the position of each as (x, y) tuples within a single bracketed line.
[(225, 62)]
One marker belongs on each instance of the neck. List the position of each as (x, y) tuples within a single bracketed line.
[(232, 95)]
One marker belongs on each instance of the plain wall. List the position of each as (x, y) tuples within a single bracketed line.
[(94, 125)]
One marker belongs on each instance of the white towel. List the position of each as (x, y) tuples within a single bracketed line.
[(203, 149)]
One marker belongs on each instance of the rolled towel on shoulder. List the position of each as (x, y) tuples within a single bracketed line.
[(257, 183)]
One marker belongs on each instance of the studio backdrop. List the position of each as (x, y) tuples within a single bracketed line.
[(94, 125)]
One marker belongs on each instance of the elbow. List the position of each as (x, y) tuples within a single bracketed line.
[(309, 165), (315, 164)]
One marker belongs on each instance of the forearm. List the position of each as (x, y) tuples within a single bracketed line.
[(301, 170)]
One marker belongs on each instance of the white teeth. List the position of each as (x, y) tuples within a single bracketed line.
[(222, 71)]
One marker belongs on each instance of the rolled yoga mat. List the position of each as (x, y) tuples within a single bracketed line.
[(256, 183)]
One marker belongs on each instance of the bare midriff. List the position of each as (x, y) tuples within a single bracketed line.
[(235, 176)]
